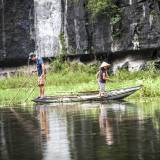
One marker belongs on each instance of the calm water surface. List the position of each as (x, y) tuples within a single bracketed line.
[(115, 131)]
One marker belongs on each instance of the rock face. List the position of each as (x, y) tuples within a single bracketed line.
[(138, 29), (49, 26), (139, 26), (16, 28), (82, 35), (138, 32)]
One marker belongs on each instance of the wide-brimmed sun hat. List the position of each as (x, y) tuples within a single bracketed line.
[(105, 64)]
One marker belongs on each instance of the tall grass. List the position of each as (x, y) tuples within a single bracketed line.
[(74, 77)]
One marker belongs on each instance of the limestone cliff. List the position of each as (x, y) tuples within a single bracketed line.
[(50, 27), (130, 42), (16, 28)]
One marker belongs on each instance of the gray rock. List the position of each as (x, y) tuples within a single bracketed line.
[(83, 34), (16, 25), (20, 29)]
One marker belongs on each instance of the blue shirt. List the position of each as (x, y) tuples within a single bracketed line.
[(39, 62)]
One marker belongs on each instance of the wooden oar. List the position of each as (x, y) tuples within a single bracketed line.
[(110, 80), (18, 91), (32, 91)]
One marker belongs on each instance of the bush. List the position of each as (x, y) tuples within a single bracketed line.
[(59, 65)]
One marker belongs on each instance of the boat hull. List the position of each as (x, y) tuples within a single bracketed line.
[(112, 95)]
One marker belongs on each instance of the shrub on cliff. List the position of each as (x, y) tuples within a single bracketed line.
[(107, 7), (110, 9)]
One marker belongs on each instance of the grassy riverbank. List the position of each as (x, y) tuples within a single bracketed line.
[(75, 78)]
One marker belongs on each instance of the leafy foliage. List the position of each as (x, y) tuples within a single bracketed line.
[(59, 65), (107, 7)]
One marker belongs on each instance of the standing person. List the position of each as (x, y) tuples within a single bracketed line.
[(102, 76), (41, 72)]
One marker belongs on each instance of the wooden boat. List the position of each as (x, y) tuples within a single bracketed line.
[(86, 96)]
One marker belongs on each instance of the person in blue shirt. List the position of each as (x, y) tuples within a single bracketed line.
[(41, 72)]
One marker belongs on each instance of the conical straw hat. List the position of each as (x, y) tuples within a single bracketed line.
[(104, 64)]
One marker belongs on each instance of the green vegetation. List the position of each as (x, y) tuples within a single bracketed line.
[(149, 108), (73, 77), (106, 7), (63, 44), (109, 9)]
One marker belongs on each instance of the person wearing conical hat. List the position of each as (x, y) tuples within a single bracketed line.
[(102, 77)]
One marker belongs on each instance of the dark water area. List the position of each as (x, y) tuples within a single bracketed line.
[(114, 131)]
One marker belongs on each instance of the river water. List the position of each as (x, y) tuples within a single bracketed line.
[(113, 131)]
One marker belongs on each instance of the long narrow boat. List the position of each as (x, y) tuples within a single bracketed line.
[(86, 96)]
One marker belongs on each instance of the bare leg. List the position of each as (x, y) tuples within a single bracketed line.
[(41, 81), (42, 91)]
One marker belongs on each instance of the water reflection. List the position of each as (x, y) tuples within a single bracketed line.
[(19, 135), (106, 125), (54, 133), (43, 120), (81, 131)]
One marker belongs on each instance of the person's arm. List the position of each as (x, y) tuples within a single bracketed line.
[(105, 77)]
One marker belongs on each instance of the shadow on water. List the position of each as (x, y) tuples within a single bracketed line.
[(114, 131)]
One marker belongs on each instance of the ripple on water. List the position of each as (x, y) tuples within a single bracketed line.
[(81, 131)]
